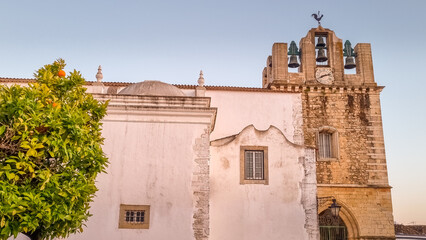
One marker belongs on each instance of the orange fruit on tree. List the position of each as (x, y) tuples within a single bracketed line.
[(61, 73)]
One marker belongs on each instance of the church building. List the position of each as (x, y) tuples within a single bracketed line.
[(302, 157)]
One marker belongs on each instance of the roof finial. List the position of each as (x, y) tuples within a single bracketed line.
[(99, 75), (318, 17), (201, 79)]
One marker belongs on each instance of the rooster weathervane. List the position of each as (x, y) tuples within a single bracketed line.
[(318, 17)]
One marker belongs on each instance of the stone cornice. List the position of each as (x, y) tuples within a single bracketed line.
[(154, 101), (325, 88), (184, 110)]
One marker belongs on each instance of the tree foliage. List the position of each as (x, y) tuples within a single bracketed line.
[(50, 154)]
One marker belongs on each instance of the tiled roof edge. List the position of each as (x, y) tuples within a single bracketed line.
[(183, 86), (124, 84)]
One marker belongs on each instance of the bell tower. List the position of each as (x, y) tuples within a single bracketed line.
[(342, 120), (320, 60)]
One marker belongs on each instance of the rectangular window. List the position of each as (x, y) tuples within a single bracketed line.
[(328, 144), (134, 216), (254, 165), (325, 145)]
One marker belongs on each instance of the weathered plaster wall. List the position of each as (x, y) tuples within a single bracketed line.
[(258, 211), (158, 149), (201, 186), (150, 164), (160, 164), (309, 193), (237, 109)]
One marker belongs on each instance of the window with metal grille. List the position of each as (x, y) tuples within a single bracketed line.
[(254, 165), (134, 216), (328, 143)]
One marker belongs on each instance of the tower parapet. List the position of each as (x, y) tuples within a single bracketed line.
[(322, 62)]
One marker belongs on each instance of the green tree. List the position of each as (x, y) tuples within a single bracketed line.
[(50, 154)]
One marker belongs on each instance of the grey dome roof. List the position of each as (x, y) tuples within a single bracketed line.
[(155, 88)]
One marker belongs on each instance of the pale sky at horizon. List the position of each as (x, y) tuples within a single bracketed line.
[(172, 41)]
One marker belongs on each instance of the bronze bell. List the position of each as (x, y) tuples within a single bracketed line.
[(321, 55), (293, 62), (320, 43), (350, 63)]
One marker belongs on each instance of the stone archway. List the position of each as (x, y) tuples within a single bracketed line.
[(346, 218), (332, 228)]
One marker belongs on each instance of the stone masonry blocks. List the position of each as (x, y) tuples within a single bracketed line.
[(371, 207), (201, 187), (279, 62)]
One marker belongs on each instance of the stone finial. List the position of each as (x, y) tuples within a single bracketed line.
[(200, 90), (201, 79), (99, 75)]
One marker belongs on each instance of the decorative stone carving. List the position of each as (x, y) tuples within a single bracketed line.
[(201, 79), (200, 90), (99, 75)]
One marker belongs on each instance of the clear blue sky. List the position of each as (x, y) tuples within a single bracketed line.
[(230, 40)]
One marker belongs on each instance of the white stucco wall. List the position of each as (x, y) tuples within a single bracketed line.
[(238, 109), (151, 152), (284, 209), (257, 211), (150, 164)]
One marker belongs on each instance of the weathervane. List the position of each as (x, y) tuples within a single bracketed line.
[(318, 17)]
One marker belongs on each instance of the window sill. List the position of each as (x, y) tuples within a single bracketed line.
[(328, 159), (254, 181)]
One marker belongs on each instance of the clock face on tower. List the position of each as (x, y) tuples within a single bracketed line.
[(324, 75)]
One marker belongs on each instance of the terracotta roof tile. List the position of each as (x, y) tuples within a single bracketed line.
[(289, 88)]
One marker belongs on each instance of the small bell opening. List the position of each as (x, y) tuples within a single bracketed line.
[(350, 63), (349, 53), (321, 56), (320, 42), (293, 63), (293, 52), (321, 50)]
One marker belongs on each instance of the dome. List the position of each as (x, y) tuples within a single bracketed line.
[(153, 88)]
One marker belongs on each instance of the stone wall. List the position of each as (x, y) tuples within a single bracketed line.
[(415, 230), (366, 211), (357, 177), (356, 117), (201, 187)]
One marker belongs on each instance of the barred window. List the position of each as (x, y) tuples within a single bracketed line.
[(134, 216), (327, 143), (254, 165)]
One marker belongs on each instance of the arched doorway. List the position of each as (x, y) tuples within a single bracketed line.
[(332, 228)]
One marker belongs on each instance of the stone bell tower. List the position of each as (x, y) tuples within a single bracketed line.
[(342, 120), (319, 41)]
